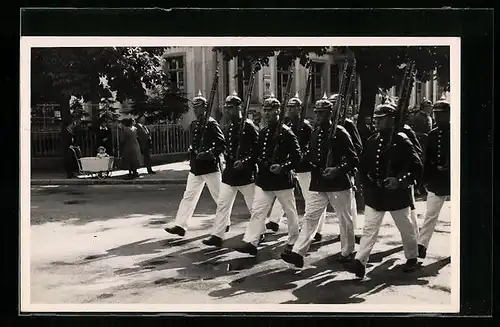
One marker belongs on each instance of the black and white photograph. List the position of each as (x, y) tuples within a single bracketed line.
[(304, 174)]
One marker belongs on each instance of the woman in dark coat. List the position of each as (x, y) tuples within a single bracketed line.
[(131, 152)]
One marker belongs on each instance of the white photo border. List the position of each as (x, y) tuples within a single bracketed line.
[(26, 43)]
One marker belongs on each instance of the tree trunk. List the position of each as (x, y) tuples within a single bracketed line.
[(369, 90)]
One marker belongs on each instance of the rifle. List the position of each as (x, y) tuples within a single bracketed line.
[(402, 106), (305, 106), (208, 109), (281, 116), (251, 83), (351, 87), (336, 116)]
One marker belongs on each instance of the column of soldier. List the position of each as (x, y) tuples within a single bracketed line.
[(263, 165)]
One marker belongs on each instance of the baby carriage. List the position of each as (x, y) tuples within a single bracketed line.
[(94, 166)]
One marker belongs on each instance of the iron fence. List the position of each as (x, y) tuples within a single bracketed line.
[(166, 139)]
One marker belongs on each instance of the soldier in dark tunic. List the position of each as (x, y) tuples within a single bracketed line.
[(436, 175), (239, 173), (274, 178), (330, 184), (302, 128), (205, 150), (388, 168), (352, 129)]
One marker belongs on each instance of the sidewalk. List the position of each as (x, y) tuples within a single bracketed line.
[(172, 173)]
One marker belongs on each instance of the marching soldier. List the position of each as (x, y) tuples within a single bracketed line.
[(302, 128), (239, 174), (205, 150), (436, 175), (387, 171), (274, 178), (328, 185)]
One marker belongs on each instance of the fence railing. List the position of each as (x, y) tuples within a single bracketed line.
[(166, 139)]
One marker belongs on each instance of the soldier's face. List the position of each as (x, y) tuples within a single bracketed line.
[(322, 116), (383, 123), (199, 111), (270, 114), (292, 111), (232, 111)]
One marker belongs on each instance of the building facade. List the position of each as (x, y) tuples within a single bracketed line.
[(192, 70)]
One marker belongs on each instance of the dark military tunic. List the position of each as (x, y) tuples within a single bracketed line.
[(248, 150), (405, 165), (410, 133), (288, 155), (213, 141), (303, 132), (438, 154), (344, 156), (355, 137)]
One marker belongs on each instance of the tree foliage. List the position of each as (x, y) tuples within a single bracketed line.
[(381, 67), (284, 55), (93, 73)]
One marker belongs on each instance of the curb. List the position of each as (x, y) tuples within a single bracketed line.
[(107, 182)]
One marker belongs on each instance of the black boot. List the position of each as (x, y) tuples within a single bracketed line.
[(177, 230), (213, 241), (293, 258), (317, 237), (422, 251), (346, 259), (272, 226), (246, 248), (410, 265), (358, 268)]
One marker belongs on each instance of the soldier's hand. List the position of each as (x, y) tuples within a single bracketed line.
[(275, 169), (238, 165), (391, 183), (330, 172)]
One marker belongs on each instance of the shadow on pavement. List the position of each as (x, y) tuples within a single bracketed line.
[(326, 290)]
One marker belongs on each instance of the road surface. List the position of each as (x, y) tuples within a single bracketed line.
[(106, 244)]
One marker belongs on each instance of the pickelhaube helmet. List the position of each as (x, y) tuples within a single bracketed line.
[(272, 102), (384, 109), (333, 98), (441, 105), (295, 101), (199, 100), (233, 100), (323, 104)]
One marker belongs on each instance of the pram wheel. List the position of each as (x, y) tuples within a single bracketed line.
[(102, 174)]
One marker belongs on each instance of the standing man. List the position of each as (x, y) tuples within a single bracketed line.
[(436, 175), (330, 183), (206, 147), (388, 168), (274, 178), (145, 142), (239, 174)]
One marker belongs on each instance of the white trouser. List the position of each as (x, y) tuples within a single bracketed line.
[(373, 221), (342, 204), (194, 187), (304, 182), (434, 206), (413, 213), (261, 205), (227, 195)]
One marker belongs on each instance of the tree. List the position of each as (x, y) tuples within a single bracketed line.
[(261, 55), (92, 73), (380, 67)]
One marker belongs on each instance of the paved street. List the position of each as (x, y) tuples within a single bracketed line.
[(106, 244)]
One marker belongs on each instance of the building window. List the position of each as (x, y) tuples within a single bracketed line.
[(175, 69), (282, 80), (317, 81), (334, 79), (243, 76)]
